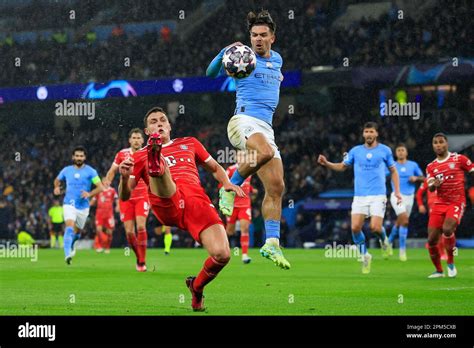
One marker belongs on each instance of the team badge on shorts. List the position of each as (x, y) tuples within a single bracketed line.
[(248, 130)]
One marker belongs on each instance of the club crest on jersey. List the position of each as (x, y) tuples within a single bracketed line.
[(369, 156), (77, 175), (269, 65), (403, 169), (451, 165), (183, 147)]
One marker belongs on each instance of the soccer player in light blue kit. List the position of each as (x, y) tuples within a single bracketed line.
[(251, 129), (369, 162), (79, 178), (410, 173)]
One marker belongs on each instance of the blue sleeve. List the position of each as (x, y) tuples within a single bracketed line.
[(215, 68), (389, 161), (62, 175), (418, 171), (349, 158)]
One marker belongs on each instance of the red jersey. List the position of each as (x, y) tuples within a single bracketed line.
[(141, 190), (241, 202), (105, 201), (451, 173), (431, 196), (182, 156)]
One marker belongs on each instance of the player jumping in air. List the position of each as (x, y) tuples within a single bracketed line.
[(169, 169), (430, 198), (136, 209), (445, 175), (409, 173), (251, 129), (369, 162), (242, 210), (104, 218), (79, 179)]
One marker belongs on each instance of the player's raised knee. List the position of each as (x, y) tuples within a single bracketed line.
[(265, 154)]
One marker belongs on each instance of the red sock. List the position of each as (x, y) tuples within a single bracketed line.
[(103, 239), (449, 244), (132, 241), (210, 270), (142, 239), (435, 258), (97, 241), (441, 247), (244, 243), (109, 241)]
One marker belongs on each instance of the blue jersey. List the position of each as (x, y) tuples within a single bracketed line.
[(405, 170), (78, 180), (369, 168), (258, 94)]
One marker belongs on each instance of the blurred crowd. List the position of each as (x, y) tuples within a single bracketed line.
[(305, 38), (26, 177)]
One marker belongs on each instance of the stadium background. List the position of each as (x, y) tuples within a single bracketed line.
[(426, 57)]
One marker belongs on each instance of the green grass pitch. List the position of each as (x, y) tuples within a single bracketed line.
[(99, 284)]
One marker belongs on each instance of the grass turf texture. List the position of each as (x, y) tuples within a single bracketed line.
[(109, 285)]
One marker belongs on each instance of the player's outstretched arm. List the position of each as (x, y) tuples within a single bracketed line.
[(338, 167), (215, 68), (109, 177), (221, 176)]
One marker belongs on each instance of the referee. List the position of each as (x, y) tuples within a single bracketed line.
[(56, 224)]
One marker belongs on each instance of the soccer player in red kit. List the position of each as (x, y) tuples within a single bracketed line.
[(136, 209), (445, 175), (169, 168), (430, 198), (242, 210), (104, 218)]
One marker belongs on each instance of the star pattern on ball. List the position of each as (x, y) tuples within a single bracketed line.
[(227, 59), (242, 66)]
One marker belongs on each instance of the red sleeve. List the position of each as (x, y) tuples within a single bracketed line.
[(118, 158), (420, 192), (201, 153), (466, 164)]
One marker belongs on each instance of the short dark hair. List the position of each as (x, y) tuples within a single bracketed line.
[(442, 135), (371, 125), (79, 148), (261, 18), (152, 110), (135, 130), (401, 145)]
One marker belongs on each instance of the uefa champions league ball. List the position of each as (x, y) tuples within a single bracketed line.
[(239, 61)]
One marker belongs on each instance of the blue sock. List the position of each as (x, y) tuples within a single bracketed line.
[(68, 238), (75, 237), (237, 179), (382, 234), (403, 237), (393, 234), (359, 240), (272, 228)]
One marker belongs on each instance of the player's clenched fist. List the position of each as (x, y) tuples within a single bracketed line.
[(322, 160), (126, 167)]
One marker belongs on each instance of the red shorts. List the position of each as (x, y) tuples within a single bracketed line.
[(440, 212), (189, 209), (240, 213), (134, 207), (106, 221)]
